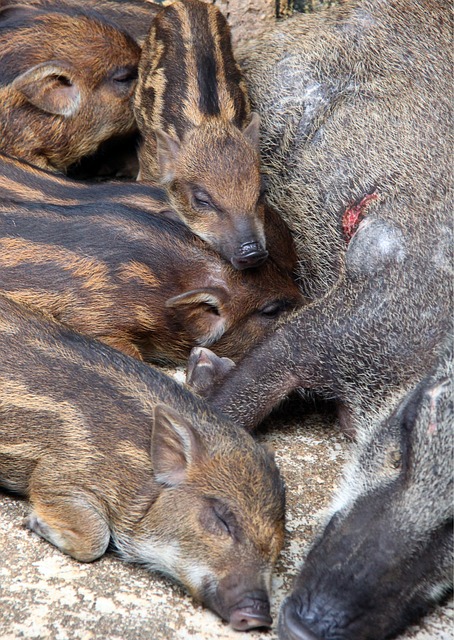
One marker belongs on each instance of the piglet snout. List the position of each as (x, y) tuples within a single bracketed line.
[(250, 254), (251, 612)]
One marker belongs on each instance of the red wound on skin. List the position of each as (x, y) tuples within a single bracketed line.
[(354, 214)]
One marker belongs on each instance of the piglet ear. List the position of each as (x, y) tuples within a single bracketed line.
[(175, 445), (167, 150), (14, 12), (252, 131), (51, 87), (202, 312)]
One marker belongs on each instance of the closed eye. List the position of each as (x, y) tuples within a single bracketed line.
[(224, 518), (223, 522), (273, 309), (125, 75), (202, 200)]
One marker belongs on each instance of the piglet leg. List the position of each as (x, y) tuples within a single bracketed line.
[(72, 523)]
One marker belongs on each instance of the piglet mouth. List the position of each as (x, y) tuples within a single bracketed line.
[(241, 607)]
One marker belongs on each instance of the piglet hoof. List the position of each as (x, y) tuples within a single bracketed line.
[(42, 529), (35, 524), (206, 370)]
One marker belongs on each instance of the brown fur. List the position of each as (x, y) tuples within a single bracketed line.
[(192, 109), (132, 16), (108, 449), (66, 84), (132, 277)]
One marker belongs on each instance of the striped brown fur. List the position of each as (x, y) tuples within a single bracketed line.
[(110, 450), (132, 16), (66, 84), (116, 267), (199, 136)]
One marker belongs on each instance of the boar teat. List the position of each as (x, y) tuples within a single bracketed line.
[(205, 370)]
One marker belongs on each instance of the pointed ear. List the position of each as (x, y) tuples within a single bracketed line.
[(167, 150), (252, 131), (202, 312), (175, 445), (12, 13), (51, 87)]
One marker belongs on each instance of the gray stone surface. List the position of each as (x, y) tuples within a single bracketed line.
[(46, 595)]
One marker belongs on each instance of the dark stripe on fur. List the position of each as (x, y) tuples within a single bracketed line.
[(205, 61), (232, 72), (169, 31)]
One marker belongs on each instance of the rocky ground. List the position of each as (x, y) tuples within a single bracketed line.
[(46, 595)]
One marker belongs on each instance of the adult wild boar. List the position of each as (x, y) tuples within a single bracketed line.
[(356, 110), (386, 553)]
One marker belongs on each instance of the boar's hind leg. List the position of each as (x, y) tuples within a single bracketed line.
[(206, 370), (71, 523)]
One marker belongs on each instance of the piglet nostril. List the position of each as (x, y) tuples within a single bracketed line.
[(250, 613), (250, 254), (249, 247)]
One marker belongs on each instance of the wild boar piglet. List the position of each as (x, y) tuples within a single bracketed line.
[(110, 450), (66, 84), (106, 260), (199, 136)]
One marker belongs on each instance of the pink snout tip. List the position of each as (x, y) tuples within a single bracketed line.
[(250, 613)]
